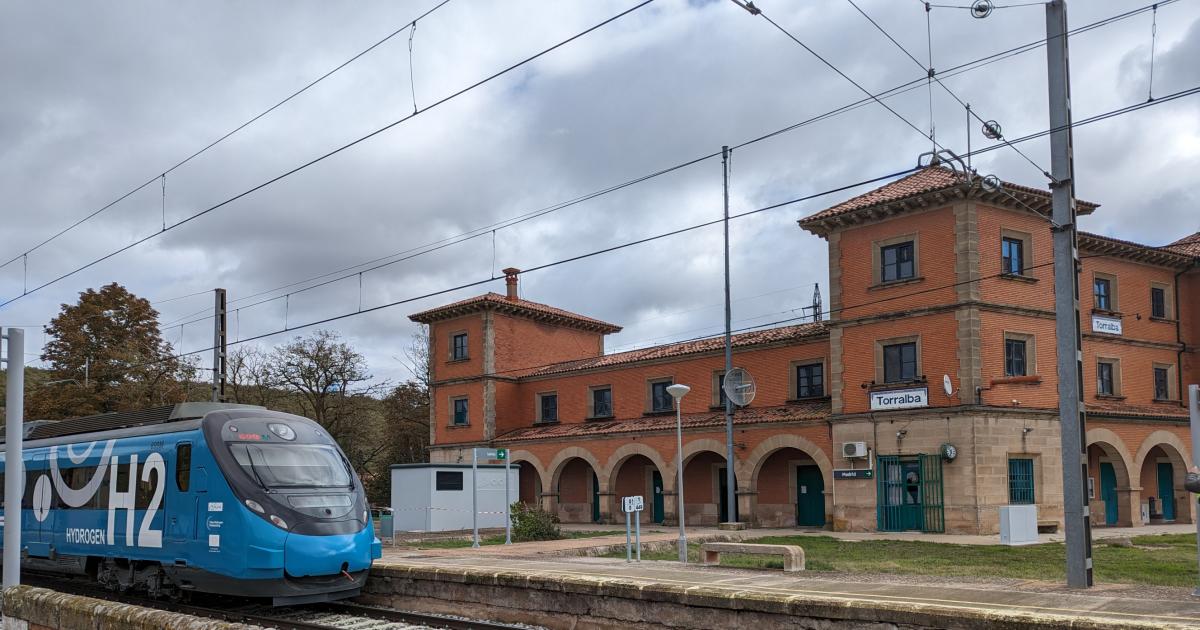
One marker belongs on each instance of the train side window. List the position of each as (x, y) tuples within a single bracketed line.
[(183, 466)]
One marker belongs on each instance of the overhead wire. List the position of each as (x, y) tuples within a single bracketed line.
[(221, 139), (621, 246), (933, 77), (482, 230), (333, 152)]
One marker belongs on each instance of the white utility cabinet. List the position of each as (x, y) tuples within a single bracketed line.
[(1018, 525), (437, 497)]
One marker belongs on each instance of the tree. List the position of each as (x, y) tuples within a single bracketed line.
[(107, 354), (252, 379), (330, 384)]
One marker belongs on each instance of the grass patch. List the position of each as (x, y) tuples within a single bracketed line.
[(1155, 560), (459, 543)]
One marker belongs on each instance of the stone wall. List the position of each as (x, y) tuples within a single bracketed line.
[(582, 602), (29, 608)]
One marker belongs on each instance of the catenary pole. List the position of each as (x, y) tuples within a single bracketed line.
[(219, 347), (730, 489), (1066, 302), (14, 437)]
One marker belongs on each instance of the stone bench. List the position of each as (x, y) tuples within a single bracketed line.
[(793, 555), (1047, 527)]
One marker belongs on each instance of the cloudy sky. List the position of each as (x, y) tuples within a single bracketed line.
[(101, 97)]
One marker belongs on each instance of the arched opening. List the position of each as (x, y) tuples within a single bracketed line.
[(638, 476), (1108, 486), (578, 492), (791, 490), (1164, 499), (704, 490), (529, 483)]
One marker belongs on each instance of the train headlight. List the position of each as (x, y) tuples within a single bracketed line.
[(253, 505), (280, 523), (283, 431)]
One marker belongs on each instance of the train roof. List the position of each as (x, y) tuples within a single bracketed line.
[(42, 429)]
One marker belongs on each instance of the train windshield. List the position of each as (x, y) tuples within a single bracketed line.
[(292, 465)]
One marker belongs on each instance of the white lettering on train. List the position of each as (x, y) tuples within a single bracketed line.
[(85, 536)]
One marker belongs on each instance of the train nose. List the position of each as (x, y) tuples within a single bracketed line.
[(326, 555)]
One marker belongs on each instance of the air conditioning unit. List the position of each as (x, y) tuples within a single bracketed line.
[(854, 450)]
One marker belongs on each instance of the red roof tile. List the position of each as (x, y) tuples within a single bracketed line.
[(1188, 245), (796, 412), (770, 335), (1119, 408), (925, 181), (1165, 255), (526, 308)]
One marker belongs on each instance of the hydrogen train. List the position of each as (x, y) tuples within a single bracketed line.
[(196, 498)]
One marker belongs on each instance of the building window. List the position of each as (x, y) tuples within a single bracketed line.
[(1104, 292), (719, 396), (900, 362), (460, 411), (1020, 481), (1014, 357), (1013, 256), (547, 407), (897, 262), (458, 347), (1158, 302), (1162, 383), (602, 402), (810, 380), (1105, 374), (660, 399), (448, 480)]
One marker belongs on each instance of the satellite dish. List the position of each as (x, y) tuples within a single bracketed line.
[(739, 387), (947, 386)]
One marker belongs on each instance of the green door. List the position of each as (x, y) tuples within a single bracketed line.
[(595, 499), (658, 515), (1108, 493), (1166, 490), (810, 497), (909, 494)]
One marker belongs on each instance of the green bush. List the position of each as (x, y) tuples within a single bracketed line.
[(531, 523)]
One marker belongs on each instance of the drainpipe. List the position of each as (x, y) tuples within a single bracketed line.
[(1179, 337)]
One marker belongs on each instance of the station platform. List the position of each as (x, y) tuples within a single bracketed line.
[(537, 581)]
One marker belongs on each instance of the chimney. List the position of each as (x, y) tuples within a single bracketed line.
[(510, 281)]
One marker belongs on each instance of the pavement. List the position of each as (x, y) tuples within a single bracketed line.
[(569, 559)]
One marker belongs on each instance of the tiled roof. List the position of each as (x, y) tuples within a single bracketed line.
[(514, 306), (1166, 255), (770, 335), (1188, 245), (796, 412), (931, 180), (1119, 408)]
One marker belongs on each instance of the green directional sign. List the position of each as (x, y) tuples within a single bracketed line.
[(501, 453)]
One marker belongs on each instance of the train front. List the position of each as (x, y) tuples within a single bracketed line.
[(305, 531)]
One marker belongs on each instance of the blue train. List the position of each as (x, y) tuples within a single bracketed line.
[(198, 497)]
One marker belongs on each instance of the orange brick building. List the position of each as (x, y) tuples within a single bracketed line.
[(931, 278)]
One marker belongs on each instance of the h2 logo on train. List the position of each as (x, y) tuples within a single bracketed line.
[(153, 470)]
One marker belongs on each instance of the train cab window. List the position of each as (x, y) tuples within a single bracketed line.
[(183, 466)]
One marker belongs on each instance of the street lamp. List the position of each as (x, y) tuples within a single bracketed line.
[(677, 392)]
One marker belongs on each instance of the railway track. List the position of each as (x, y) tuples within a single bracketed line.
[(325, 616)]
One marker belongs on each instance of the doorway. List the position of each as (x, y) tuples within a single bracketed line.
[(658, 512), (810, 497), (1108, 493), (723, 490), (909, 494), (1166, 490)]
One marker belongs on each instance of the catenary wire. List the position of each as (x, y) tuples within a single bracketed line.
[(675, 232), (933, 77), (474, 233), (222, 139), (333, 152)]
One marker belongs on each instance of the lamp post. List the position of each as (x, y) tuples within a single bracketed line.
[(677, 392)]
